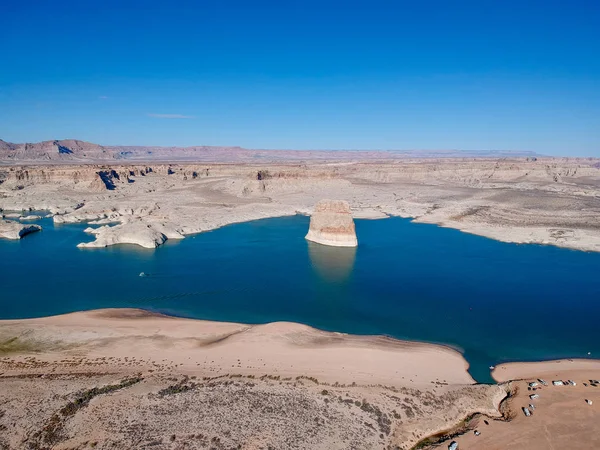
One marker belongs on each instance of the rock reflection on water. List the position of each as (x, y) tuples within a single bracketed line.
[(333, 264)]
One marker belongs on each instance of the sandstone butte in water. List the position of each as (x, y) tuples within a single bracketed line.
[(332, 224)]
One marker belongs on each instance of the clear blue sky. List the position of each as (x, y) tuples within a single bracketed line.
[(420, 74)]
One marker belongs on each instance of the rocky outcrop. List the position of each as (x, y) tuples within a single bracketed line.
[(12, 216), (332, 224), (136, 232), (108, 178), (14, 230), (57, 150), (130, 233)]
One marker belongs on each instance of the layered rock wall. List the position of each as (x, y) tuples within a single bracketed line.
[(332, 224)]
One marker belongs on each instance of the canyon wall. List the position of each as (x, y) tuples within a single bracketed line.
[(544, 200)]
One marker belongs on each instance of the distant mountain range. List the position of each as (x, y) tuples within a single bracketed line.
[(74, 151)]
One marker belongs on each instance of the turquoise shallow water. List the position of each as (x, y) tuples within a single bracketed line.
[(493, 301)]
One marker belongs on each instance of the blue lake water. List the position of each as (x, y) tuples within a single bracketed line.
[(493, 301)]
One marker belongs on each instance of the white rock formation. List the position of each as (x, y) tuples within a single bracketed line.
[(137, 233), (31, 217), (332, 224), (14, 230)]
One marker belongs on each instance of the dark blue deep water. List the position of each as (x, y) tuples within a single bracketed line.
[(493, 301)]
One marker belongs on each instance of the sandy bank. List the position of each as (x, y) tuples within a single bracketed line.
[(579, 368), (281, 348)]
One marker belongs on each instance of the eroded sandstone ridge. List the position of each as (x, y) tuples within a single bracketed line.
[(525, 200), (332, 224)]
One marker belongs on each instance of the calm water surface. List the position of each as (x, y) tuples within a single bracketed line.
[(493, 301)]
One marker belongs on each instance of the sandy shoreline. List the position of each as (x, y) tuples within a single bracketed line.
[(284, 348), (283, 341), (554, 368)]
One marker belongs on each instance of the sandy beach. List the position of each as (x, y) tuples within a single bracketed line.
[(281, 348)]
